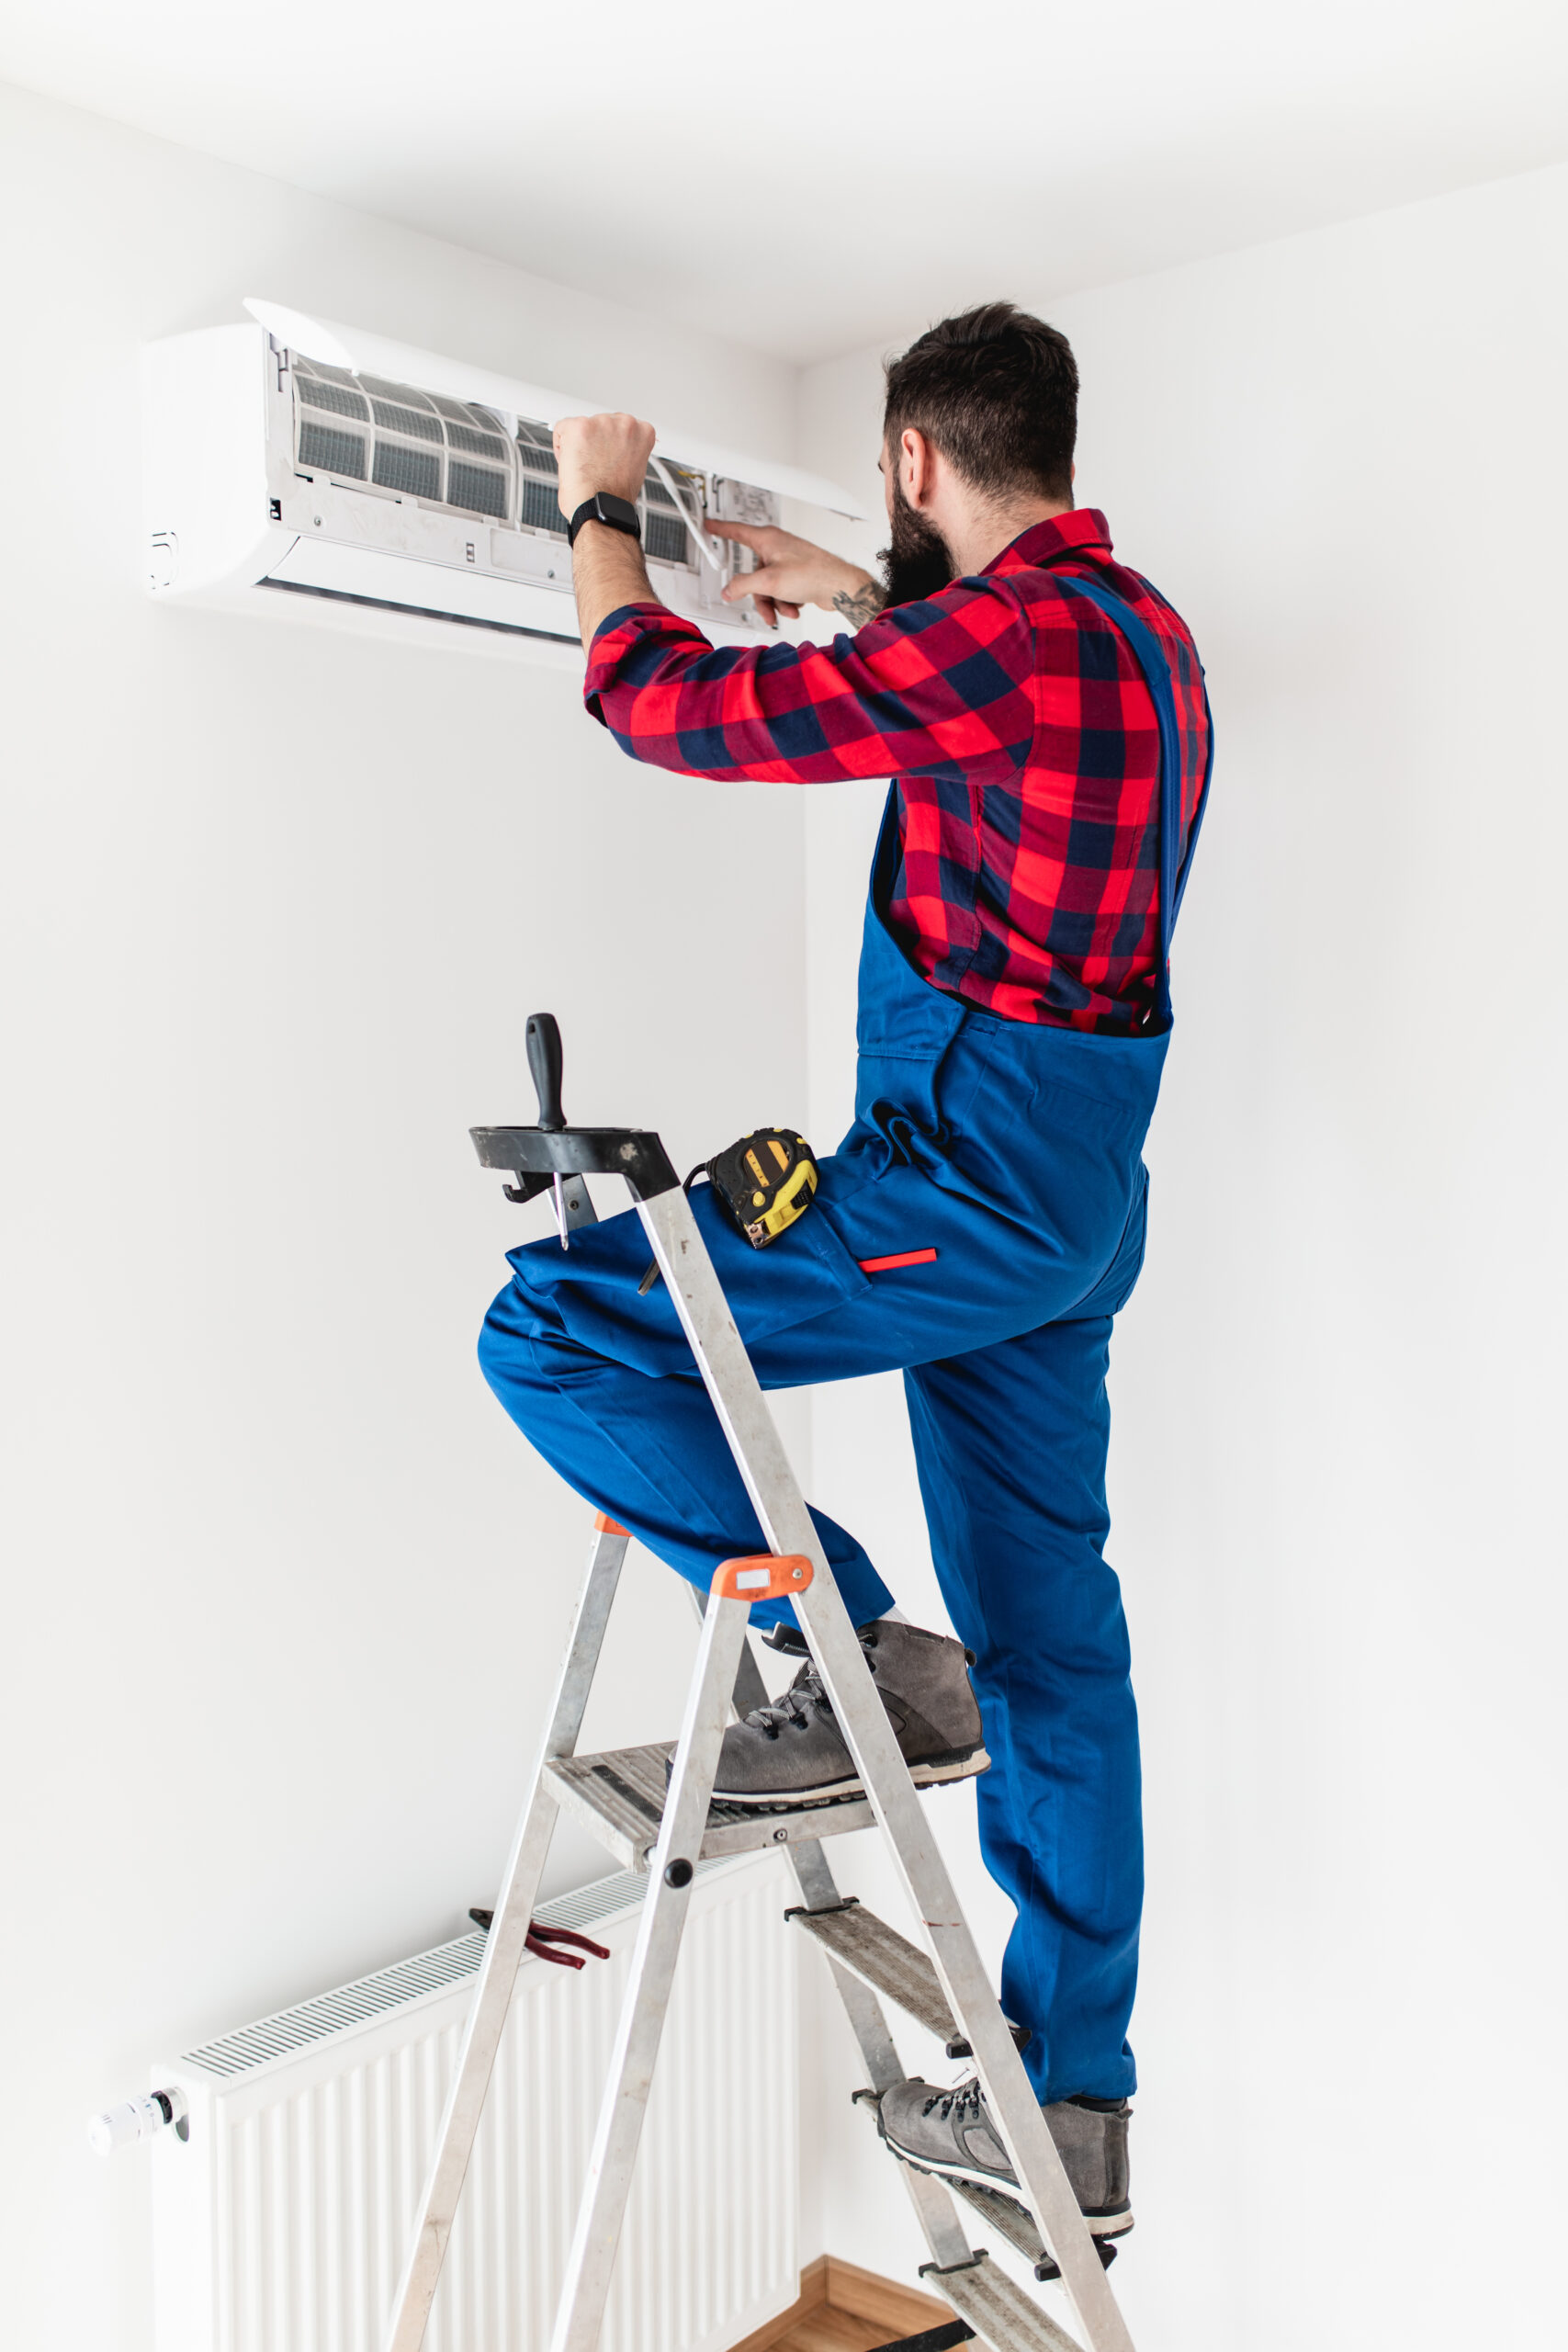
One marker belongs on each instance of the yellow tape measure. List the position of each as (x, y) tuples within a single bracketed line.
[(764, 1183)]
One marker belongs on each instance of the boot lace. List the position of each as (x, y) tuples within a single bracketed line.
[(790, 1706), (806, 1690), (963, 2101)]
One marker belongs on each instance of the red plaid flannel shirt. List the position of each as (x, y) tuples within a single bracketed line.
[(1023, 738)]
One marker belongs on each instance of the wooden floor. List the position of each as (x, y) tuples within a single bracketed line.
[(831, 2331), (843, 2309)]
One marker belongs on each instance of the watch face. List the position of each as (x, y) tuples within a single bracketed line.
[(604, 507)]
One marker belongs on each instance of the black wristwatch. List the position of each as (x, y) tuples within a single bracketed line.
[(603, 508)]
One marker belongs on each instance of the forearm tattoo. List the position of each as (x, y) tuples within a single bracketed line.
[(858, 605)]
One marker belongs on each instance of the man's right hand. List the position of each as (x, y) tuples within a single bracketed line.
[(792, 572)]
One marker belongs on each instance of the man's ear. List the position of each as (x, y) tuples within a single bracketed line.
[(917, 466)]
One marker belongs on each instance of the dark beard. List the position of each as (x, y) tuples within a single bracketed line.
[(917, 564)]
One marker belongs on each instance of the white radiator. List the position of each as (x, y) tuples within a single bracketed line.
[(281, 2224)]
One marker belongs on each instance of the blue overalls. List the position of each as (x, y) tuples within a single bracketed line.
[(1012, 1150)]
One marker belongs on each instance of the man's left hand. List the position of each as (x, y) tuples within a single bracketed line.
[(607, 453)]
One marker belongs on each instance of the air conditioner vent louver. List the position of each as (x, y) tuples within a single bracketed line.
[(335, 453), (477, 444), (337, 396), (666, 539), (476, 488), (517, 483), (394, 418), (380, 386), (414, 472), (399, 415), (539, 508)]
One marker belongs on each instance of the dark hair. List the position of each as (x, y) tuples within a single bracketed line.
[(997, 393)]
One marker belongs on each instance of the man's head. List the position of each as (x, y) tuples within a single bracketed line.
[(978, 443)]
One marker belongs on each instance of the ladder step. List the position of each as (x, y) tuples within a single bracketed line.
[(998, 2308), (619, 1798), (1009, 2222), (892, 1966)]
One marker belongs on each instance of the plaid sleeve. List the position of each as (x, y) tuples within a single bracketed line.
[(943, 683)]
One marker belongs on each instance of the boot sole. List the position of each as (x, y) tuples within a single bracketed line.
[(1100, 2225), (931, 1772)]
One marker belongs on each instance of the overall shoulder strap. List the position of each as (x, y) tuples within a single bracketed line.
[(1174, 863)]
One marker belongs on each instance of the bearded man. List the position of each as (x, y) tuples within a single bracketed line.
[(1042, 711)]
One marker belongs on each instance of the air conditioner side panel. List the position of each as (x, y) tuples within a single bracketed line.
[(205, 427)]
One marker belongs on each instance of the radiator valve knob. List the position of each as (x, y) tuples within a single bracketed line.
[(136, 2120)]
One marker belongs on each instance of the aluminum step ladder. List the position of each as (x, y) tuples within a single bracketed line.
[(623, 1798)]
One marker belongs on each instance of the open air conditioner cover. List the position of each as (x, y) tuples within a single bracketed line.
[(367, 354), (292, 464)]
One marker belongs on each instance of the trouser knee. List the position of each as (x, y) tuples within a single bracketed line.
[(508, 1361)]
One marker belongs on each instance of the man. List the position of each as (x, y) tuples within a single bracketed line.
[(1042, 711)]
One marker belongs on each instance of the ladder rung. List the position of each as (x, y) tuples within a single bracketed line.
[(998, 2308), (1009, 2222), (619, 1797), (892, 1966)]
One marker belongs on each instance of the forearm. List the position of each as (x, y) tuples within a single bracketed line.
[(860, 602), (607, 571)]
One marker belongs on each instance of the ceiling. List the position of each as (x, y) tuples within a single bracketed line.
[(813, 178)]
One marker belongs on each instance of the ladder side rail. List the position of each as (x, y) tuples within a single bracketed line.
[(581, 2312), (731, 1382), (940, 2226), (503, 1953), (938, 2216)]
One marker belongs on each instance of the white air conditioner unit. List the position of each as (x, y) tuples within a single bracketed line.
[(296, 466)]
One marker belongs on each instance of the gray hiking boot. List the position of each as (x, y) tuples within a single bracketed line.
[(950, 2132), (794, 1753)]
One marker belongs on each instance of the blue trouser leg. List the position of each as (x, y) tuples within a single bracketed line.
[(1021, 1563), (1010, 1432), (648, 1451)]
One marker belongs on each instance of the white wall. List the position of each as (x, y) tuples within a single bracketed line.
[(285, 1591), (1339, 1389)]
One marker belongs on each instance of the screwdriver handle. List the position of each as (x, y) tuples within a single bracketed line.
[(545, 1065)]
